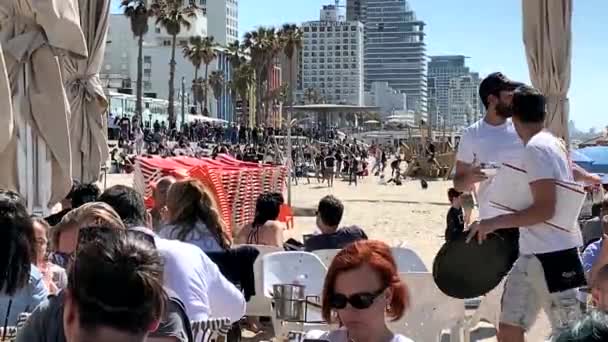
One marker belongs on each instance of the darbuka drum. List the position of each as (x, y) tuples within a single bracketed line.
[(468, 270)]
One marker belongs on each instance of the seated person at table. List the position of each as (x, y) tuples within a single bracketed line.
[(265, 229), (591, 253), (329, 215), (362, 291)]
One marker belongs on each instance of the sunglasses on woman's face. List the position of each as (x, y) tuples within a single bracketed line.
[(359, 301)]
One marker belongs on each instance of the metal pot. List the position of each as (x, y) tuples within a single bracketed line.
[(289, 302)]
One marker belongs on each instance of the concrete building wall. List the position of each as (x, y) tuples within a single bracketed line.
[(388, 99), (332, 59), (222, 18), (395, 50)]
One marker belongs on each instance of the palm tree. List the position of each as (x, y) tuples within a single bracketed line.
[(196, 51), (172, 16), (216, 83), (262, 46), (240, 85), (138, 14), (235, 54), (208, 55), (291, 39)]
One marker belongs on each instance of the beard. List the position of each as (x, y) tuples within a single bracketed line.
[(504, 110)]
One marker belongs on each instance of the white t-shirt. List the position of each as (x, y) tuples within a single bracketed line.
[(545, 157), (485, 143), (199, 236), (198, 282), (341, 335)]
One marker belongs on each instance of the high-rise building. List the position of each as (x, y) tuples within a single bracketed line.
[(453, 91), (222, 19), (464, 100), (395, 51), (332, 58)]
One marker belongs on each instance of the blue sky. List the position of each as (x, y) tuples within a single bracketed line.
[(490, 33)]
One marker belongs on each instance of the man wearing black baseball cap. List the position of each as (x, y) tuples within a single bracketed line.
[(491, 140)]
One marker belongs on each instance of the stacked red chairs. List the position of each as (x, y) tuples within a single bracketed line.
[(234, 184)]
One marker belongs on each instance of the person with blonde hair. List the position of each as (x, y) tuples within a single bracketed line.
[(64, 236), (193, 217)]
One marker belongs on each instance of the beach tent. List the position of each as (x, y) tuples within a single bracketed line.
[(36, 159), (547, 36), (88, 103)]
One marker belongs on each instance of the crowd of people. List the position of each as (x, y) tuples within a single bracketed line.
[(105, 268)]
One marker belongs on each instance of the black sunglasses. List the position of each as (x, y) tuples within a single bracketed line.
[(359, 301)]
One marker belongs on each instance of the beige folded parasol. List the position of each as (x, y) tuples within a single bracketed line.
[(33, 33), (88, 123)]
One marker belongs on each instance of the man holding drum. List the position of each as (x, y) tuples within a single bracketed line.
[(548, 270)]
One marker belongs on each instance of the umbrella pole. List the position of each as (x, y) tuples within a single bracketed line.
[(289, 161)]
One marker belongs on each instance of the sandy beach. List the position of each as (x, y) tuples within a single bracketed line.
[(404, 215)]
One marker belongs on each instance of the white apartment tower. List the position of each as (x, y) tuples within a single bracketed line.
[(222, 19), (332, 58), (119, 68), (464, 102)]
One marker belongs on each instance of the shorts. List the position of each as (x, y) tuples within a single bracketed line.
[(526, 293), (468, 202)]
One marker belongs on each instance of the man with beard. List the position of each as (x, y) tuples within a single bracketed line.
[(492, 139)]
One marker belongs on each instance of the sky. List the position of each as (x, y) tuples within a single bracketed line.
[(487, 31)]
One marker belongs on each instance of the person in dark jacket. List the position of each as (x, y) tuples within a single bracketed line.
[(329, 215)]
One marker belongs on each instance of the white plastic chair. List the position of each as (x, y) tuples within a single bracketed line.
[(489, 308), (260, 305), (431, 311), (326, 255), (288, 268), (407, 260)]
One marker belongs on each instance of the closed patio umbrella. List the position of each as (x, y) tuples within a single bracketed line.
[(88, 104), (36, 161), (6, 106), (547, 37)]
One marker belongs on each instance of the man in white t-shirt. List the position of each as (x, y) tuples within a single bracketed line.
[(549, 269), (490, 140)]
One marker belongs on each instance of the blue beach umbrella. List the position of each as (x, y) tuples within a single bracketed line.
[(592, 158)]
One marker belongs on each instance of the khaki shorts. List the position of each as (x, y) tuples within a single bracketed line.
[(526, 293), (468, 202)]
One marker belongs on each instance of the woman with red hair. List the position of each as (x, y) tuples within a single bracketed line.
[(363, 288)]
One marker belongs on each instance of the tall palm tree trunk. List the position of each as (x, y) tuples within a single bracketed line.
[(269, 113), (205, 85), (172, 83), (140, 67), (289, 147), (194, 97)]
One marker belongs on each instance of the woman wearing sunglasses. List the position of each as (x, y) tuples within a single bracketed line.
[(362, 289)]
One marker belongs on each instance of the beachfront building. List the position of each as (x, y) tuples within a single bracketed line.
[(332, 58), (453, 91), (119, 68), (222, 19), (395, 50), (463, 97), (388, 99)]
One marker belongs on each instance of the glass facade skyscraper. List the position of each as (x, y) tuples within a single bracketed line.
[(395, 50)]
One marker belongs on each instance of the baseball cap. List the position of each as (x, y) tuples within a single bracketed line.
[(494, 83)]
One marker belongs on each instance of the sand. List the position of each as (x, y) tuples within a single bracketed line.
[(404, 215)]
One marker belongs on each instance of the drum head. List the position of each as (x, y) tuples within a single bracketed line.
[(468, 270)]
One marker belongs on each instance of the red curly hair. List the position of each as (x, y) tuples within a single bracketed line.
[(378, 256)]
